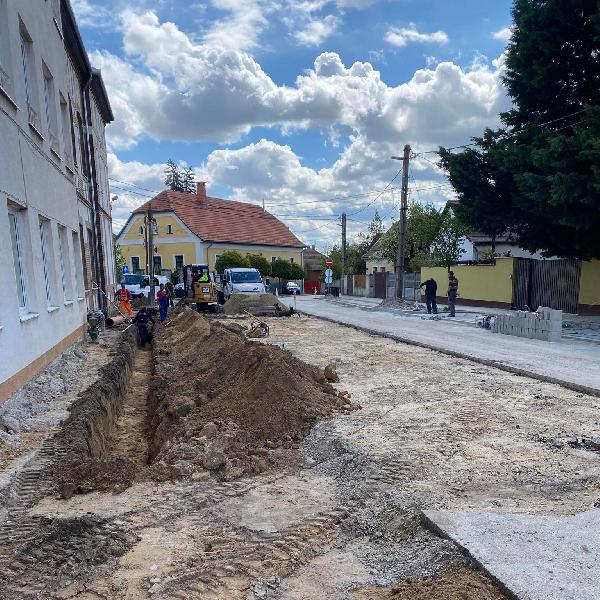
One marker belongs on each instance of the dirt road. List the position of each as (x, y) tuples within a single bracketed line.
[(433, 432)]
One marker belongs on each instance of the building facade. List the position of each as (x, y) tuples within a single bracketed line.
[(56, 251), (197, 229)]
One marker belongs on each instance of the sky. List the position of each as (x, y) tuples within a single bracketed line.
[(299, 104)]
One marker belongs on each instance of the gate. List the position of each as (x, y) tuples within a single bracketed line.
[(552, 283), (380, 284)]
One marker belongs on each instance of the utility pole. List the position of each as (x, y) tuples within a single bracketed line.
[(343, 281), (151, 255), (401, 252)]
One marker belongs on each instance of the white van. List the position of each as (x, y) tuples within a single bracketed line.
[(139, 285), (241, 281)]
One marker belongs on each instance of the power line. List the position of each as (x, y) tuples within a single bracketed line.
[(385, 189)]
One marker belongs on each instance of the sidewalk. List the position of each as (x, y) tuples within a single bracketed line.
[(571, 362)]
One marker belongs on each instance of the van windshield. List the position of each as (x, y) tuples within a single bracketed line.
[(246, 277), (132, 279)]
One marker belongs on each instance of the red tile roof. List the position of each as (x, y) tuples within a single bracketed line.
[(216, 220)]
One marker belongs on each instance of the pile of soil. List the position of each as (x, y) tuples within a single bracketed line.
[(460, 583), (238, 303), (222, 403)]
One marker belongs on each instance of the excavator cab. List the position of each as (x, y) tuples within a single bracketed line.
[(199, 286)]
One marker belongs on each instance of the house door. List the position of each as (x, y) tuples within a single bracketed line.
[(380, 284)]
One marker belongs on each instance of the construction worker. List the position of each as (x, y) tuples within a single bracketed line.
[(430, 295), (142, 321), (163, 301), (452, 293), (124, 297)]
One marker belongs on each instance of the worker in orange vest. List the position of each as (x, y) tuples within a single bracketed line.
[(124, 298)]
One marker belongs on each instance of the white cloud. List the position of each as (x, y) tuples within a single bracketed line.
[(503, 34), (89, 14), (316, 31), (403, 36)]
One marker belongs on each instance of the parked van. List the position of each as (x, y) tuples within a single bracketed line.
[(139, 285), (241, 281)]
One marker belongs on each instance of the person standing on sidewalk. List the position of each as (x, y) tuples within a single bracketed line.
[(452, 293), (430, 295)]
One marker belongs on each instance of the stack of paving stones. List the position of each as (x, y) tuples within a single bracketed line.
[(545, 324)]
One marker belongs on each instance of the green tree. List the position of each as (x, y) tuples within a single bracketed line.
[(231, 259), (544, 166), (446, 247), (281, 269), (173, 179), (175, 277), (119, 261), (188, 181), (296, 272), (259, 262)]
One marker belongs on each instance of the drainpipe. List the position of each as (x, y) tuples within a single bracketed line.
[(95, 239)]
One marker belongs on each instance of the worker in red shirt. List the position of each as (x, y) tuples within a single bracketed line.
[(163, 301), (124, 297)]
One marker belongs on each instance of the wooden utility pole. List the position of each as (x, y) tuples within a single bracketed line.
[(401, 252), (343, 281), (151, 256)]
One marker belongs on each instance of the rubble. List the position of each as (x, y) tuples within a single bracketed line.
[(238, 303)]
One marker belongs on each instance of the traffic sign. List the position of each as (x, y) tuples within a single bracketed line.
[(329, 273), (125, 269), (328, 280), (329, 263)]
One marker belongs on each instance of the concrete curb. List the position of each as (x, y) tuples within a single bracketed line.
[(434, 528), (583, 389)]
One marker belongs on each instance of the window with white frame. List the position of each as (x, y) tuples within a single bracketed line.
[(29, 75), (291, 259), (65, 130), (50, 107), (18, 248), (273, 259), (141, 230), (170, 229), (135, 264), (157, 265), (65, 263), (78, 262), (178, 262), (47, 260)]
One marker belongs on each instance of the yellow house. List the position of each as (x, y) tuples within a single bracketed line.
[(197, 229)]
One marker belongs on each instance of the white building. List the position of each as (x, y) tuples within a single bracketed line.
[(56, 250)]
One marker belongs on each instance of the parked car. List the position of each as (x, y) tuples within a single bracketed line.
[(291, 287)]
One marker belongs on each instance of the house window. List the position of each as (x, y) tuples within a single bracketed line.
[(135, 264), (179, 261), (47, 260), (374, 269), (82, 149), (292, 259), (273, 259), (64, 118), (141, 230), (170, 229), (5, 79), (28, 61), (78, 267), (157, 265), (73, 137), (14, 222), (50, 108), (65, 263)]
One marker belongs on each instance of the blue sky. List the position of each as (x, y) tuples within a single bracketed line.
[(298, 102)]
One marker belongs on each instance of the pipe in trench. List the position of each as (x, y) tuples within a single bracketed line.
[(115, 321)]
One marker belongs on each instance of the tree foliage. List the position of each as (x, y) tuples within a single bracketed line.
[(260, 263), (231, 259), (178, 180), (540, 173), (446, 248), (119, 261)]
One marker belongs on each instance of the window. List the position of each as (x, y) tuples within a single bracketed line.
[(141, 231), (28, 60), (82, 149), (291, 259), (50, 108), (66, 142), (170, 229), (73, 137), (47, 260), (157, 264), (273, 259), (179, 261), (5, 79), (78, 266), (14, 223), (135, 264), (65, 263), (374, 269)]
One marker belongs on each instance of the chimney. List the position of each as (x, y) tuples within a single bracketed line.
[(201, 190)]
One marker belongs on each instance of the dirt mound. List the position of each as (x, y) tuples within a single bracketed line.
[(238, 303), (222, 403), (458, 584), (112, 473)]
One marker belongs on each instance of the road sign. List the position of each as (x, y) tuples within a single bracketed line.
[(329, 263), (329, 273), (125, 269), (328, 280)]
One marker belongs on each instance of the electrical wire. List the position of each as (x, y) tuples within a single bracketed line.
[(385, 189)]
